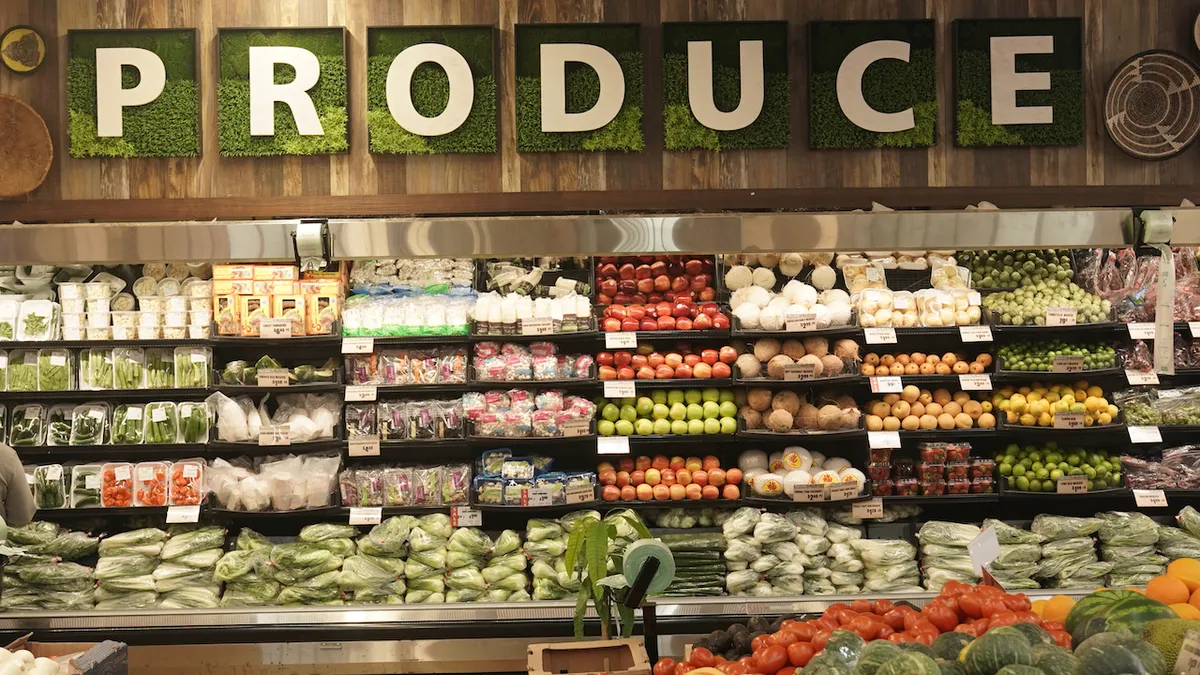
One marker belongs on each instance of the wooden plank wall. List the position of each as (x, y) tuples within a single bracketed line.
[(1116, 29)]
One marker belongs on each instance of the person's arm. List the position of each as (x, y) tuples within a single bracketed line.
[(19, 508)]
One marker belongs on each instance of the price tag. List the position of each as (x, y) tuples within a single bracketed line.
[(980, 382), (809, 493), (58, 360), (576, 428), (31, 358), (612, 445), (369, 515), (3, 361), (886, 385), (619, 389), (465, 516), (278, 435), (880, 336), (536, 497), (191, 471), (123, 472), (537, 326), (1068, 420), (1067, 364), (983, 549), (1154, 498), (1145, 435), (799, 371), (183, 514), (358, 345), (275, 328), (879, 440), (91, 481), (158, 414), (975, 333), (1141, 331), (1194, 328), (54, 472), (1188, 661), (1060, 316), (843, 491), (1072, 485), (974, 299), (1137, 377), (133, 413), (871, 508), (364, 447), (361, 392), (581, 494), (273, 377), (199, 357), (800, 322), (620, 340), (145, 473), (33, 412)]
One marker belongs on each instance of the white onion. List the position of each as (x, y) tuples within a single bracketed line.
[(823, 277), (738, 276), (764, 278)]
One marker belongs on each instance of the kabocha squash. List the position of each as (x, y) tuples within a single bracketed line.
[(997, 648), (1125, 655), (949, 645), (874, 655), (951, 667), (844, 647), (1019, 670), (1033, 633), (1113, 610), (919, 648), (1054, 660), (909, 663)]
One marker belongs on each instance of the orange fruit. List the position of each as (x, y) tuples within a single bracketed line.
[(1038, 607), (1186, 570), (1186, 611), (1195, 599), (1167, 590), (1057, 608)]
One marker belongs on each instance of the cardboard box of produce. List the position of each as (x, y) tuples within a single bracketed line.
[(618, 657), (85, 658)]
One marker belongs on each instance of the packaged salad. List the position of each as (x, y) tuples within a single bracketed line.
[(38, 320)]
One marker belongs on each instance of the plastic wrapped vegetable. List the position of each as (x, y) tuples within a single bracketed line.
[(1064, 527), (89, 424), (96, 369), (54, 370), (162, 422), (36, 532), (324, 531), (26, 429), (772, 527), (190, 597), (129, 370), (537, 530), (160, 369), (237, 564), (22, 370), (234, 373), (111, 567), (1007, 534), (85, 486), (742, 521), (1120, 528), (49, 487), (389, 538), (1189, 520), (118, 542), (249, 540), (190, 542), (191, 367), (128, 424), (68, 546), (58, 424), (471, 541), (193, 422), (947, 534)]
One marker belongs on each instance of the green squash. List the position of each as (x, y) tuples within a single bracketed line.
[(1017, 669), (951, 667), (1129, 655), (1100, 640), (844, 647), (1113, 610), (1061, 662), (995, 649), (919, 648), (874, 655), (1034, 633), (910, 663), (948, 645)]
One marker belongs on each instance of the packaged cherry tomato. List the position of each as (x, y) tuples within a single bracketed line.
[(116, 485), (150, 481), (187, 482)]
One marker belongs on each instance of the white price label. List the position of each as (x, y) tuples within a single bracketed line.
[(199, 357), (31, 358), (364, 447), (1145, 435), (58, 360), (1138, 378), (54, 472), (880, 336), (273, 377), (275, 328), (1061, 316), (809, 493), (465, 516), (538, 497), (974, 299), (1188, 661), (983, 549), (871, 508), (1068, 420), (91, 481), (1141, 330), (361, 392), (619, 389), (365, 515), (3, 360), (124, 472), (278, 435), (33, 412), (880, 440), (975, 333), (576, 428), (799, 371), (183, 514), (1072, 485), (620, 340), (158, 414), (843, 491), (191, 471), (581, 494), (1067, 364), (612, 445), (537, 326), (133, 413), (145, 473), (979, 382), (1194, 328), (800, 322), (886, 385), (358, 345), (1152, 498)]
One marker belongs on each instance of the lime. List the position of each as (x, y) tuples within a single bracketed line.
[(1022, 483), (1006, 469)]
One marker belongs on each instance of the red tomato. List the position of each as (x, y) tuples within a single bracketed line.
[(924, 625), (664, 667), (819, 640), (866, 625), (718, 660), (800, 653), (991, 592), (747, 661), (789, 624), (895, 619), (759, 643), (733, 668), (861, 606), (924, 638), (951, 603), (1061, 638), (971, 605), (784, 638), (896, 638), (966, 628), (1052, 625), (944, 618), (911, 620), (953, 589), (683, 667), (827, 624), (881, 607), (772, 659), (787, 670), (1018, 602), (838, 606), (847, 616), (701, 657), (1028, 617), (1003, 618), (804, 632), (981, 625)]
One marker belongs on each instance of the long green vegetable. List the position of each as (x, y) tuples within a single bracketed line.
[(128, 424), (3, 371), (26, 426), (162, 422), (85, 486), (49, 491), (193, 422), (88, 425), (23, 371), (96, 365), (58, 425), (54, 370), (191, 367), (160, 369), (128, 368)]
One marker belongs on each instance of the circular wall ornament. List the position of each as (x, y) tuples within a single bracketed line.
[(1152, 105), (22, 49), (25, 148)]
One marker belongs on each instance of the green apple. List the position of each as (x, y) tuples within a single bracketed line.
[(662, 427), (643, 427), (695, 427), (728, 409), (678, 411), (644, 406), (628, 413), (692, 396), (712, 410), (674, 396), (631, 401), (711, 394), (679, 427), (695, 411), (606, 428), (610, 412), (659, 396), (624, 427), (600, 401), (728, 425), (660, 411), (712, 426), (726, 395)]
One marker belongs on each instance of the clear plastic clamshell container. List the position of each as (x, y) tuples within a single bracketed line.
[(129, 367), (89, 426), (10, 310), (58, 424), (23, 370), (129, 424), (38, 320), (27, 428), (86, 486), (192, 367), (55, 370), (116, 485), (96, 369), (50, 487), (162, 423), (193, 422), (150, 483), (187, 482)]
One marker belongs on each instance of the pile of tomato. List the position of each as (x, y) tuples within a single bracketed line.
[(960, 607)]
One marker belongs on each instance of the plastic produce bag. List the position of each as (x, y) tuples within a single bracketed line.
[(190, 598), (190, 542), (324, 531), (249, 540), (109, 567), (884, 552), (69, 546), (741, 522), (772, 527), (36, 532), (1064, 527), (1121, 528), (1068, 547), (238, 564), (537, 530), (128, 427), (471, 541), (947, 534), (1007, 534), (144, 582), (742, 549), (143, 600), (389, 538), (117, 542)]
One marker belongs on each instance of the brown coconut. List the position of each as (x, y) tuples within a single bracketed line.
[(759, 399), (829, 417), (846, 349), (786, 400), (779, 421), (748, 366), (816, 345), (794, 349), (751, 417), (765, 349), (807, 417), (815, 361), (833, 366), (777, 364), (850, 417)]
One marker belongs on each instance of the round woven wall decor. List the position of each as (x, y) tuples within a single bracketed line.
[(25, 148), (1152, 105)]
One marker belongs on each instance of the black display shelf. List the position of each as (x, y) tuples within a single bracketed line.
[(100, 512), (569, 383), (1026, 495), (761, 435), (539, 510), (501, 441), (1035, 329), (851, 329), (1175, 432), (681, 335), (950, 382), (1031, 375), (327, 513), (908, 333), (1062, 434), (106, 394), (663, 504), (679, 439), (407, 340), (946, 435), (296, 341), (421, 389), (110, 452), (231, 448), (256, 390), (590, 334), (934, 500), (446, 443), (100, 344), (771, 383), (785, 501), (685, 383)]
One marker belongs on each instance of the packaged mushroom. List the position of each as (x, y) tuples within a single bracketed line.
[(881, 307), (862, 274)]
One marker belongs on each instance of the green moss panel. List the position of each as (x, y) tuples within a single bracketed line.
[(889, 85), (623, 133), (681, 129), (328, 94), (166, 127), (973, 83), (431, 90)]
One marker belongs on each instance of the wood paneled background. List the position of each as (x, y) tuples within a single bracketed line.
[(1115, 30)]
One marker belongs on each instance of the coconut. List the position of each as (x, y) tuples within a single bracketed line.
[(818, 365), (758, 295), (833, 365), (850, 417), (807, 418), (751, 417), (793, 348), (790, 264), (816, 346), (800, 293), (786, 400), (772, 318), (775, 462), (852, 475), (768, 259), (837, 464), (780, 302), (829, 417), (823, 277), (768, 485), (777, 364), (795, 478), (826, 478), (818, 459), (747, 314), (765, 349), (748, 366), (738, 276), (779, 421), (759, 399), (796, 457), (846, 349), (764, 278)]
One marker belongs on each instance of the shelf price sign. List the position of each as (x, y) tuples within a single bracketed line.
[(612, 445), (1144, 435), (620, 340), (619, 389), (364, 447), (273, 377), (809, 493), (1068, 420), (881, 440), (1061, 316), (581, 494), (358, 345), (361, 392), (800, 322), (975, 333), (1067, 364), (536, 497), (880, 336), (978, 382), (576, 428), (543, 326), (1141, 330), (366, 515), (465, 516), (983, 549), (1072, 485), (794, 372), (886, 385), (276, 435), (1138, 378), (275, 328), (1150, 498), (183, 514), (871, 508), (843, 491)]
